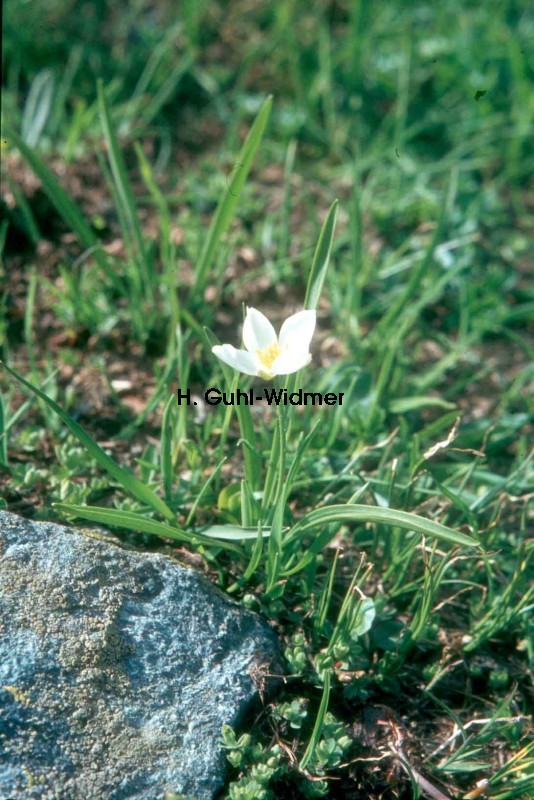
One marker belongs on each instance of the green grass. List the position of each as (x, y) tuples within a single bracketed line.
[(386, 538)]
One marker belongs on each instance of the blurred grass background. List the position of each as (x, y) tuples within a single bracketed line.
[(436, 80)]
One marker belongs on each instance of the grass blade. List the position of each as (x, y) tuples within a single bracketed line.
[(120, 176), (228, 202), (321, 258), (138, 522), (125, 478), (38, 106), (255, 559), (167, 469), (319, 721), (276, 551), (387, 516), (204, 489), (235, 532), (3, 434)]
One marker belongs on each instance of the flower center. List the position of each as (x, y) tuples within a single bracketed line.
[(267, 356)]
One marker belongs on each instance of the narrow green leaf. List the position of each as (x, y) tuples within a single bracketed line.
[(251, 453), (387, 516), (133, 521), (326, 594), (316, 546), (319, 722), (253, 564), (166, 447), (466, 766), (200, 495), (248, 504), (28, 318), (302, 446), (349, 606), (319, 267), (37, 107), (120, 175), (227, 205), (307, 559), (3, 433), (155, 192), (125, 478), (321, 259), (275, 552), (234, 532), (255, 558)]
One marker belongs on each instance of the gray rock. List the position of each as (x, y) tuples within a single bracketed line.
[(117, 669)]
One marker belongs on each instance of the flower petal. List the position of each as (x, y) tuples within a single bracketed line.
[(298, 330), (238, 359), (291, 360), (258, 333)]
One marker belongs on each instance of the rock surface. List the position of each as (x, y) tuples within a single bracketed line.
[(117, 669)]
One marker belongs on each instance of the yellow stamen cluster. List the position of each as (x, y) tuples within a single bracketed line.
[(268, 355)]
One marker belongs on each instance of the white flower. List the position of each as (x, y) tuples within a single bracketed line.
[(268, 355)]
